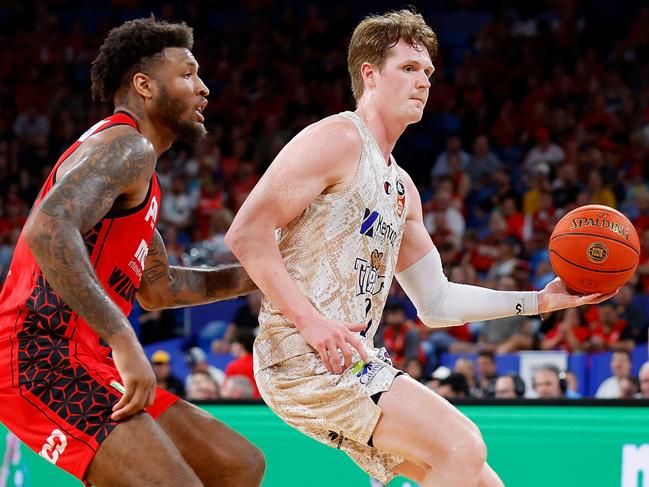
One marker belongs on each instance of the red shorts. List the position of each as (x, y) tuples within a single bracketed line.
[(57, 397)]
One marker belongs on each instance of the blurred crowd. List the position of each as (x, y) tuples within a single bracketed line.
[(534, 110)]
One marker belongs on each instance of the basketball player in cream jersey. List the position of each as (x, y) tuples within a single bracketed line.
[(350, 218)]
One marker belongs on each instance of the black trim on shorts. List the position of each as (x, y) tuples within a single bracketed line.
[(376, 397)]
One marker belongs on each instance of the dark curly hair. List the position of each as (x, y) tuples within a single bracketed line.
[(134, 46)]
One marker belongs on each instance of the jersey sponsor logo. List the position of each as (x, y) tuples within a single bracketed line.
[(152, 213), (369, 274), (336, 438), (54, 446), (122, 284), (375, 226), (401, 197), (139, 259), (365, 372)]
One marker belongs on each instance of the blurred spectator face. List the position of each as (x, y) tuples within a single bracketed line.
[(509, 207), (643, 377), (486, 366), (497, 223), (607, 314), (481, 146), (506, 283), (595, 181), (620, 364), (443, 198), (454, 386), (624, 297), (465, 367), (571, 381), (453, 145), (413, 368), (395, 318), (545, 201), (202, 387), (458, 274), (161, 371), (453, 161), (160, 361), (628, 388), (237, 387), (546, 384), (254, 301), (505, 388)]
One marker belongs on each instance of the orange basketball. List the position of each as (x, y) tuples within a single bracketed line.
[(594, 249)]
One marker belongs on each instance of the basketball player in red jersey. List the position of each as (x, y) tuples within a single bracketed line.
[(88, 249)]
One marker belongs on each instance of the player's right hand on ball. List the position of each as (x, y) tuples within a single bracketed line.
[(138, 380), (333, 340)]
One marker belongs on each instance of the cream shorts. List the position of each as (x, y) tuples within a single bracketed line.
[(337, 410)]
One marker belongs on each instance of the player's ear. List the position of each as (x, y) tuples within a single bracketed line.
[(143, 85), (368, 72)]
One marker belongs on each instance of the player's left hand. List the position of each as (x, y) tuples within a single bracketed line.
[(555, 296)]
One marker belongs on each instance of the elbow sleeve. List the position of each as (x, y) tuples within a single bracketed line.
[(441, 303)]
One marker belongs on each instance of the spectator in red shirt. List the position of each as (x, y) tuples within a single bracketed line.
[(398, 334), (242, 364), (569, 333), (609, 332)]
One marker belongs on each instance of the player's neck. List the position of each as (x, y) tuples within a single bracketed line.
[(386, 132), (159, 137)]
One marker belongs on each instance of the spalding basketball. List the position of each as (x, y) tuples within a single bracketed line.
[(594, 249)]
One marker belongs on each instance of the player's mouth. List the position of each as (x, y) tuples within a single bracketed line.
[(199, 111)]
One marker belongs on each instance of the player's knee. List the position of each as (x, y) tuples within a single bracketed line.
[(245, 462), (255, 464), (467, 452), (250, 465), (475, 453)]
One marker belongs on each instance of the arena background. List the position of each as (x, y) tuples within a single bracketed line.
[(509, 73)]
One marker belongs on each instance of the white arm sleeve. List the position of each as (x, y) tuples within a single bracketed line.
[(442, 303)]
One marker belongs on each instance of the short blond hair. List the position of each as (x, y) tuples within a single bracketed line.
[(376, 34)]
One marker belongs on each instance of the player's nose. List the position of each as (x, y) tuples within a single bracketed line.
[(203, 90)]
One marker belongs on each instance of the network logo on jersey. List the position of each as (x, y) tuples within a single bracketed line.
[(369, 274), (54, 446), (375, 226)]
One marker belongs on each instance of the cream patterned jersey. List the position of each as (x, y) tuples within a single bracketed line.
[(342, 252)]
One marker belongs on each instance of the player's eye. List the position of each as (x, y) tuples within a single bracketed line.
[(408, 69)]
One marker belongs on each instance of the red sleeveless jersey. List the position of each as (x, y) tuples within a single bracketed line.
[(117, 246)]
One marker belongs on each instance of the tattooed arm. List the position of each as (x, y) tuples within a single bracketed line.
[(117, 165), (165, 286)]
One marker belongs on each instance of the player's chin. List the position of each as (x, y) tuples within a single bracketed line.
[(192, 132), (414, 116)]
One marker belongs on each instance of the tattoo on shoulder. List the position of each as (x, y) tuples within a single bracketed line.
[(89, 190)]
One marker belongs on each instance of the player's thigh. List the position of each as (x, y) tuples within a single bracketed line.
[(210, 447), (138, 452), (423, 427)]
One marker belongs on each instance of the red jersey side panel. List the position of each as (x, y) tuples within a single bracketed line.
[(57, 382)]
